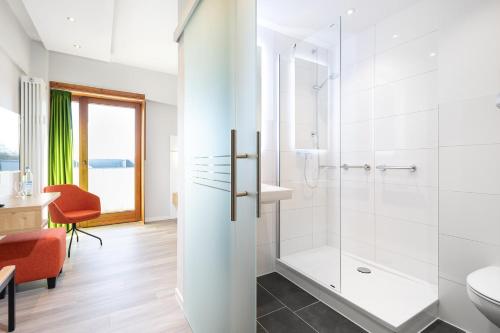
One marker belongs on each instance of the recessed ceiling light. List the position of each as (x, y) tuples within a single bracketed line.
[(432, 54), (395, 36), (70, 19), (77, 46), (351, 11)]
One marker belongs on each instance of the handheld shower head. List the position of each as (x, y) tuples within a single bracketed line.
[(320, 86)]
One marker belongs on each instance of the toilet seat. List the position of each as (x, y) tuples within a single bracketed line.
[(485, 283)]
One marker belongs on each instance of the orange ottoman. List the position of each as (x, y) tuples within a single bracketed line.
[(36, 254)]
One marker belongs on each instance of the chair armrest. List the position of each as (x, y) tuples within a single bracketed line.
[(93, 201), (56, 214), (6, 274)]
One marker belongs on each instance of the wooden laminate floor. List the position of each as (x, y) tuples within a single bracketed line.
[(125, 286)]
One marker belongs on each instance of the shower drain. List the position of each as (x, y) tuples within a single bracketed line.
[(364, 270)]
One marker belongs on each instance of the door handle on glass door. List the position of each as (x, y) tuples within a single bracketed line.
[(234, 173)]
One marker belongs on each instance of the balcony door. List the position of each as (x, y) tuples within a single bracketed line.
[(107, 135)]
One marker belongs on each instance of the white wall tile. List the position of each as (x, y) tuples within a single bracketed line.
[(302, 196), (296, 223), (468, 122), (412, 131), (412, 203), (294, 245), (470, 215), (415, 21), (294, 170), (406, 60), (357, 196), (357, 136), (414, 240), (358, 226), (358, 47), (468, 31), (357, 106), (413, 94), (357, 76), (357, 248), (470, 168), (459, 257)]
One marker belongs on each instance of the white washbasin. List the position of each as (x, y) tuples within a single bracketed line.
[(271, 193)]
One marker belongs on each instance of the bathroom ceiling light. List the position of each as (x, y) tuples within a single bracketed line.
[(77, 46), (351, 11), (395, 36), (70, 19), (432, 54)]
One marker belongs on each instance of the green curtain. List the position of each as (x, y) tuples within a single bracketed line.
[(60, 141)]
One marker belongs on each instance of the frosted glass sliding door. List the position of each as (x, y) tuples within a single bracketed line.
[(218, 59)]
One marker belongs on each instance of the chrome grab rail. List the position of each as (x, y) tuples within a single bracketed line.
[(364, 166), (384, 167)]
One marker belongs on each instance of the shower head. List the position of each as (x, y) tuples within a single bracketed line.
[(318, 87)]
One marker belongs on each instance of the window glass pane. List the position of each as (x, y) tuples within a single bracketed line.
[(111, 156)]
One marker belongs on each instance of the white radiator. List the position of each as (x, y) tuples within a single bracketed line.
[(34, 130)]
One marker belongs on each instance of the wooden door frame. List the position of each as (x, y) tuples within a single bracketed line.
[(111, 97)]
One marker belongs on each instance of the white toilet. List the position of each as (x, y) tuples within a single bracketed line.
[(483, 288)]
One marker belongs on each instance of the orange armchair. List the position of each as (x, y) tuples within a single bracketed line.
[(73, 206)]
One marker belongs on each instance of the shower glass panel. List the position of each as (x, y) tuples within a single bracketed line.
[(359, 147), (389, 125), (309, 155)]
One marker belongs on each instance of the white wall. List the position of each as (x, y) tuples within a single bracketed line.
[(158, 87), (469, 153), (13, 40), (14, 62), (161, 123)]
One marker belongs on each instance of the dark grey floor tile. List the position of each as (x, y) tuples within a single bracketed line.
[(284, 321), (287, 292), (260, 329), (266, 303), (440, 326), (326, 320)]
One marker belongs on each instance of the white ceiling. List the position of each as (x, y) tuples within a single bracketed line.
[(303, 18), (130, 32)]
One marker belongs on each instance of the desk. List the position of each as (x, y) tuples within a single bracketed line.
[(24, 214)]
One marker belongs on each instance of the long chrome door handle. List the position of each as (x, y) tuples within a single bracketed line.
[(259, 190), (234, 176)]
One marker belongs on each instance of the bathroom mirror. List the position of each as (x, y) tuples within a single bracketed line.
[(311, 102), (9, 140)]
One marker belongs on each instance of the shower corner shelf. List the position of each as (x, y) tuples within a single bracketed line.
[(272, 193)]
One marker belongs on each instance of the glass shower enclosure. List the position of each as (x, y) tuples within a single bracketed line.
[(363, 221)]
